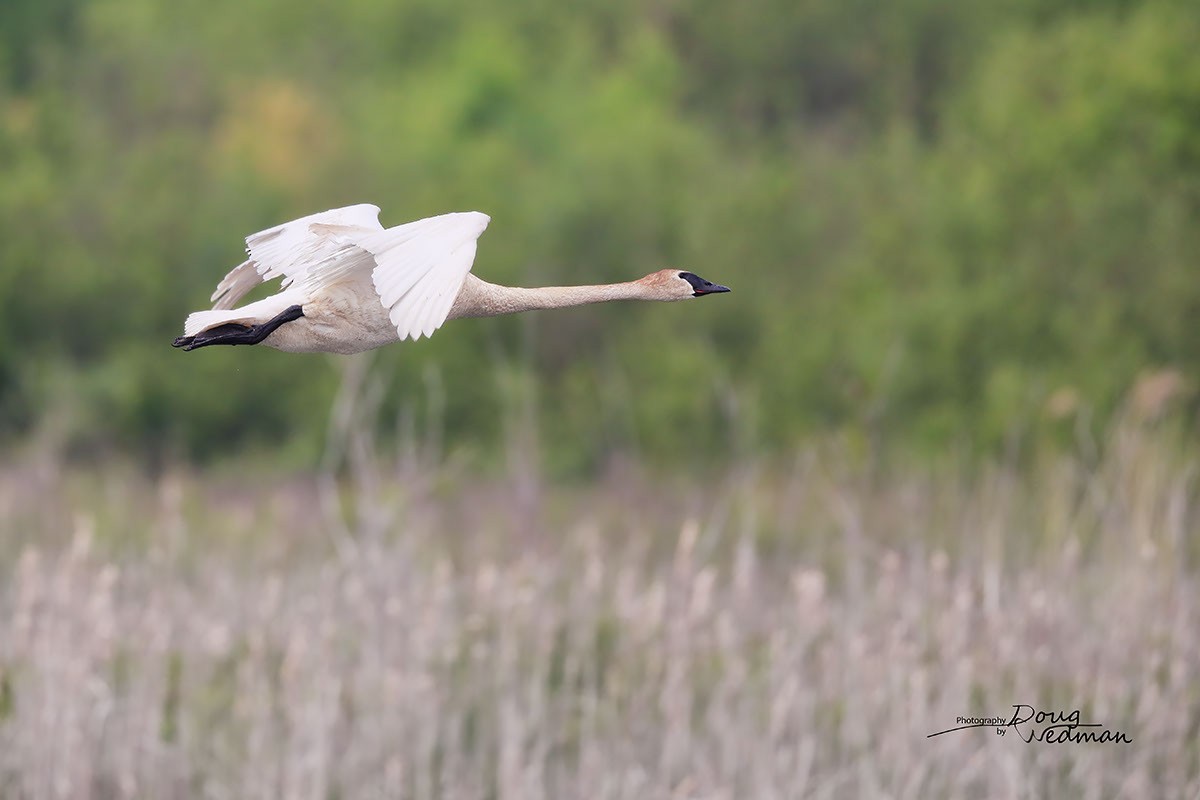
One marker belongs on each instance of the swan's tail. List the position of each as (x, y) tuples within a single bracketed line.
[(250, 314), (221, 326), (200, 321)]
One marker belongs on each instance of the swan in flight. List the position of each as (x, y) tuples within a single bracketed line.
[(350, 285)]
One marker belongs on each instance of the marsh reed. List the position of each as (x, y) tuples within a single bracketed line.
[(796, 631)]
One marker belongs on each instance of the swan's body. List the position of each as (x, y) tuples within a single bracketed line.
[(350, 285)]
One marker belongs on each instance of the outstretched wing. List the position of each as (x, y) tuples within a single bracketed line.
[(234, 286), (420, 268), (417, 269), (296, 250)]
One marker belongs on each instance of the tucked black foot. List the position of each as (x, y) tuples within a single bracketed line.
[(232, 333)]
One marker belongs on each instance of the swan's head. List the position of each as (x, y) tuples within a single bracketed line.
[(673, 284)]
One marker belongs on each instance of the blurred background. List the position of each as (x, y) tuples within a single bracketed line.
[(946, 224), (934, 456)]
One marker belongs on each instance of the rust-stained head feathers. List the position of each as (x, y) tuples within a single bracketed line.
[(673, 284)]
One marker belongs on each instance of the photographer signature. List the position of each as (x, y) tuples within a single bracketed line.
[(1051, 727)]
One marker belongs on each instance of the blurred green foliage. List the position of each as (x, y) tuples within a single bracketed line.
[(936, 215)]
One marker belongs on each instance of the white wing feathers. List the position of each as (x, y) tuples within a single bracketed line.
[(295, 249), (416, 269), (240, 280), (290, 251), (421, 266)]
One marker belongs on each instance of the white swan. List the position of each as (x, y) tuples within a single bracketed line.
[(350, 285)]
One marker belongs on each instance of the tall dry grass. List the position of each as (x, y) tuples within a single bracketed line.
[(776, 633)]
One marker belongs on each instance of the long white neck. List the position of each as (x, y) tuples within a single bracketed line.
[(478, 298)]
